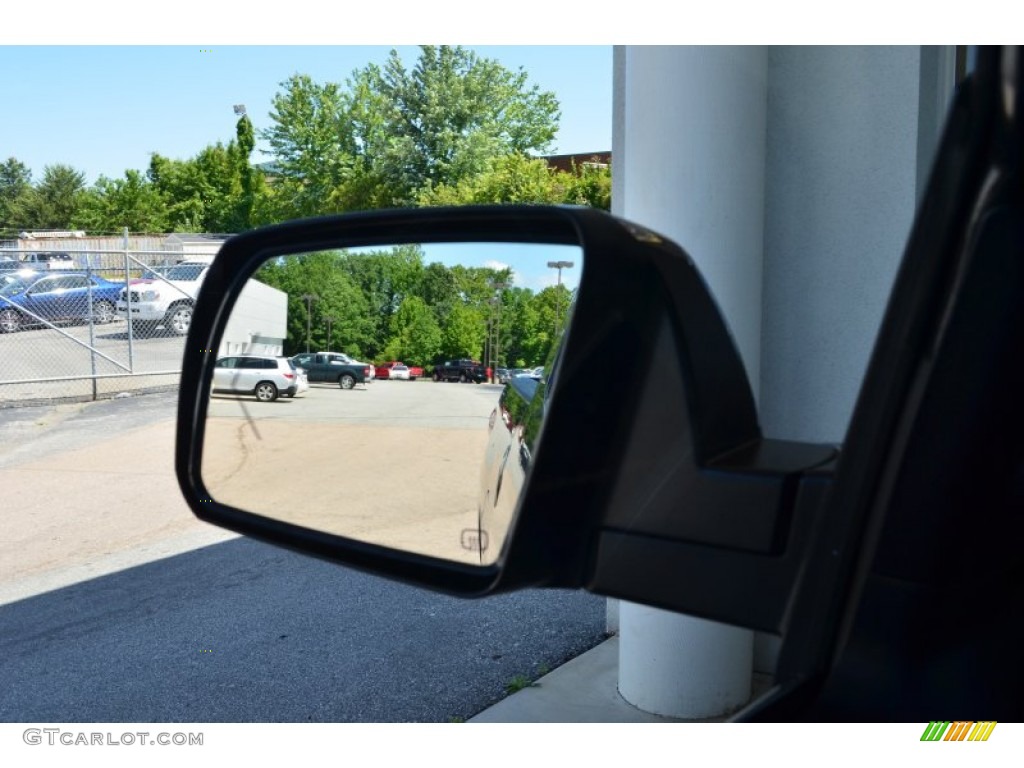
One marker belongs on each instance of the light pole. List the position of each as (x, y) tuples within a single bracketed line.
[(496, 344), (328, 319), (309, 298), (559, 265)]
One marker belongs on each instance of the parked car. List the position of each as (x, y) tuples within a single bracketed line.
[(47, 260), (333, 367), (20, 274), (264, 376), (460, 370), (396, 370), (502, 375), (42, 298), (165, 300), (347, 359)]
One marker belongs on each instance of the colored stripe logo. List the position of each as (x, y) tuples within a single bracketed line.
[(958, 730)]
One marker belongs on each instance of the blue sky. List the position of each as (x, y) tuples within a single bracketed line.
[(104, 109), (528, 262)]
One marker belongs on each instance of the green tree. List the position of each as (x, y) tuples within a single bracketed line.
[(551, 309), (113, 204), (249, 176), (590, 185), (53, 202), (15, 183), (203, 193), (453, 113), (476, 285), (464, 333), (312, 143), (520, 328), (516, 178), (438, 290), (415, 334), (385, 278), (338, 297), (391, 133)]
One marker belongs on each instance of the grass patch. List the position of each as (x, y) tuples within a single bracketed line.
[(518, 683)]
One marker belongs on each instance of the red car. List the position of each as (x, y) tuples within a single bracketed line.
[(397, 370)]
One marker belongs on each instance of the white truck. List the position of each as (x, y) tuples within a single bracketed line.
[(46, 260), (165, 299)]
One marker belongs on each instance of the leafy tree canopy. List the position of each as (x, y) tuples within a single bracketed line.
[(516, 178), (53, 202), (15, 183), (391, 133), (112, 204)]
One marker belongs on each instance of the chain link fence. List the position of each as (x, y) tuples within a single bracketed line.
[(89, 318)]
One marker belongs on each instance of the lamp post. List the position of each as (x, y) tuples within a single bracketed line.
[(328, 319), (496, 344), (559, 265), (309, 298)]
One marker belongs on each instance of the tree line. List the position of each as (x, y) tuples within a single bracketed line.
[(455, 128), (390, 304)]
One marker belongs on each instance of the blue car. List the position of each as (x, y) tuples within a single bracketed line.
[(51, 298)]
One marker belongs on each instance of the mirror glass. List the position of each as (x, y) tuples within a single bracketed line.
[(390, 394)]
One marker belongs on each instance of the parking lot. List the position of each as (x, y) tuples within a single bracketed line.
[(45, 353), (392, 462), (120, 606)]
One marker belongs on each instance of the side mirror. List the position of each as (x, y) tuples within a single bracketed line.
[(635, 467), (548, 480)]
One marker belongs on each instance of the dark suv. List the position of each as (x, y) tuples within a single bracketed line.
[(460, 370)]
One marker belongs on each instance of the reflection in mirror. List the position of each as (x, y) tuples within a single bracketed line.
[(390, 394)]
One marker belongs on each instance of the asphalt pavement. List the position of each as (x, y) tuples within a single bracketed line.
[(174, 621), (244, 632)]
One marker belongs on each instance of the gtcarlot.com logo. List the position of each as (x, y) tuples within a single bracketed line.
[(958, 730), (57, 736)]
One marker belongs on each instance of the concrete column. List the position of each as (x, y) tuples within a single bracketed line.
[(691, 124), (679, 666), (846, 136), (790, 175)]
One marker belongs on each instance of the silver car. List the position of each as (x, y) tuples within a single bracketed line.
[(264, 376)]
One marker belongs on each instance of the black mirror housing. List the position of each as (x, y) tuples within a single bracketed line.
[(647, 348)]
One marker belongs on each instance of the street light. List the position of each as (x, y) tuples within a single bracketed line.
[(495, 344), (328, 319), (309, 298), (559, 265)]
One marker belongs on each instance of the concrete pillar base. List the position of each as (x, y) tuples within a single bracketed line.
[(682, 667)]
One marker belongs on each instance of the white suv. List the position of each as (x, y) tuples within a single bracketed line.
[(264, 376), (166, 300)]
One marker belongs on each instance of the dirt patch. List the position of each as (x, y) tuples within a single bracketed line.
[(70, 508), (409, 488)]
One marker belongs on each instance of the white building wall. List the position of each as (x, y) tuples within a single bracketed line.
[(841, 187), (691, 129), (790, 175), (693, 145), (258, 321)]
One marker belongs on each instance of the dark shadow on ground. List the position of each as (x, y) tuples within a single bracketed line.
[(245, 632)]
